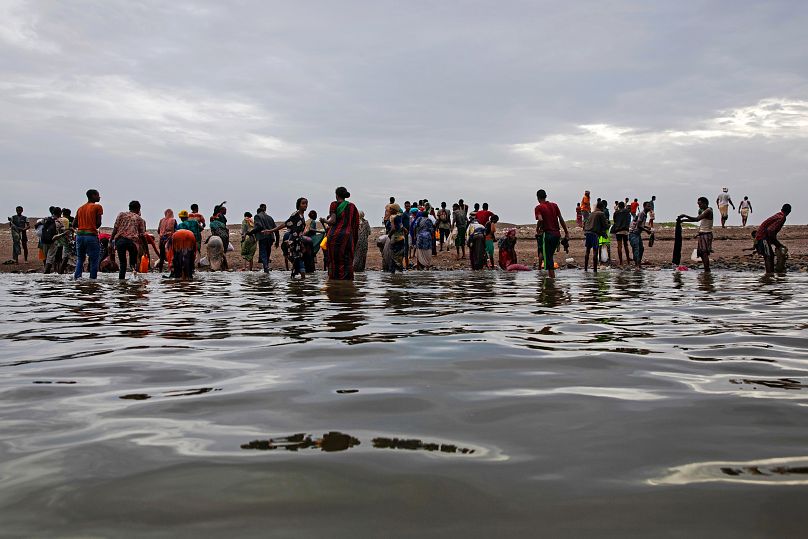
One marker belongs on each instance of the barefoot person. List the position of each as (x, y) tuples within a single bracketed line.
[(724, 201), (744, 208), (766, 238), (19, 235), (87, 223), (705, 235), (548, 229)]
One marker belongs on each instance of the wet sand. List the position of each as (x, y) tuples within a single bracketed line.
[(731, 250)]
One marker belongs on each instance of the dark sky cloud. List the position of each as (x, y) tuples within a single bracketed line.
[(266, 101)]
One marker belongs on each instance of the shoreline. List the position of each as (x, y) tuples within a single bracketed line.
[(731, 247)]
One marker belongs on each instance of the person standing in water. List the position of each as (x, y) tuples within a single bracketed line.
[(596, 226), (548, 229), (296, 228), (622, 222), (87, 223), (127, 234), (194, 215), (744, 208), (343, 233), (724, 201), (766, 237), (705, 235), (461, 222), (265, 232), (635, 231), (165, 231)]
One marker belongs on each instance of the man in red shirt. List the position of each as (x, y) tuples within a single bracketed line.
[(87, 223), (766, 236), (548, 230), (484, 215), (635, 205)]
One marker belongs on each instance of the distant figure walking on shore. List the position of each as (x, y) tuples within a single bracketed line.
[(766, 237), (744, 208), (586, 206), (705, 235), (724, 201)]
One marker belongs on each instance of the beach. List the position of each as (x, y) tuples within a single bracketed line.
[(731, 250)]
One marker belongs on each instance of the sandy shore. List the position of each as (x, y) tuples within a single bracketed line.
[(730, 245)]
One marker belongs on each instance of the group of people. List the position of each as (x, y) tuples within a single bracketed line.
[(413, 234), (417, 231), (632, 219), (63, 239)]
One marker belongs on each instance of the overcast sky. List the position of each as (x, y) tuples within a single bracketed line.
[(257, 101)]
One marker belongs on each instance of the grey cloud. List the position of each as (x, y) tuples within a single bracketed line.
[(264, 101)]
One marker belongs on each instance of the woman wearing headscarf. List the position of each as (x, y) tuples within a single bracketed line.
[(165, 231), (395, 248), (218, 228), (424, 237), (361, 255), (248, 243), (343, 234)]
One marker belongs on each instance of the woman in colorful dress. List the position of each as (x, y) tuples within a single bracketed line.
[(424, 237), (343, 234), (295, 226), (361, 255), (248, 243)]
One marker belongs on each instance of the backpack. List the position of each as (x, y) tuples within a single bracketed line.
[(48, 230)]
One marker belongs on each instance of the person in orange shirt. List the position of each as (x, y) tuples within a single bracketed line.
[(586, 206), (87, 223)]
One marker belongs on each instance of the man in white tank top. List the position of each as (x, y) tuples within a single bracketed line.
[(705, 235), (744, 208), (724, 202)]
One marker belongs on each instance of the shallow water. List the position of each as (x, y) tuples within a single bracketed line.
[(434, 404)]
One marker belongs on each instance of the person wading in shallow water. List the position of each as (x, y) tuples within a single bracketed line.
[(766, 237), (548, 229), (343, 234), (635, 231), (705, 235)]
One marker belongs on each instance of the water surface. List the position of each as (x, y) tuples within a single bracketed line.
[(432, 404)]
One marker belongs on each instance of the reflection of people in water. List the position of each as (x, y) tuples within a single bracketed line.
[(337, 441), (329, 442)]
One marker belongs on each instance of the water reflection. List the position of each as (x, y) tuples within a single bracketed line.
[(338, 441)]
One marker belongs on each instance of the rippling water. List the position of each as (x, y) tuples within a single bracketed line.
[(434, 404)]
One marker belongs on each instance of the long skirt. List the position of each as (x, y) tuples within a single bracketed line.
[(248, 247), (477, 255), (360, 257), (341, 248), (424, 257), (184, 247)]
